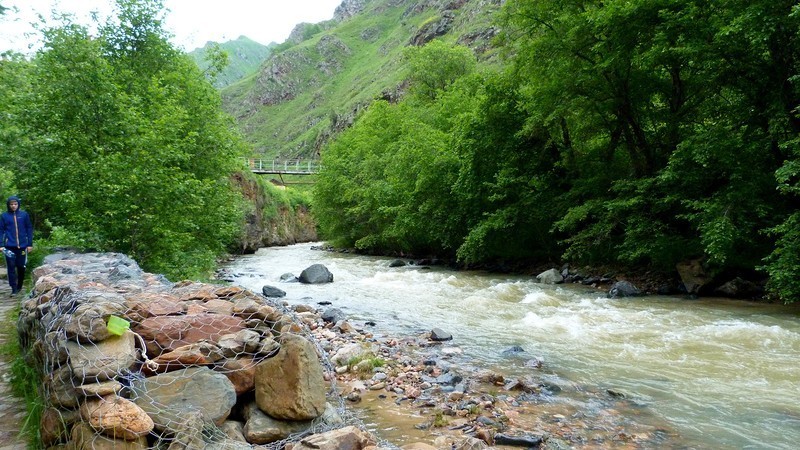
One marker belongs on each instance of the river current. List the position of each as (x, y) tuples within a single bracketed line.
[(723, 373)]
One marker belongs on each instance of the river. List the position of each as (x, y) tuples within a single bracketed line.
[(723, 373)]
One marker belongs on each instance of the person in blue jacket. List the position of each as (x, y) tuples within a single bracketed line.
[(16, 241)]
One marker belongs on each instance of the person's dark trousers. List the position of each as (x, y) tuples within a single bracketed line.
[(16, 268)]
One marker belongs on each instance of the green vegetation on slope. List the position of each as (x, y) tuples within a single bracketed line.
[(244, 57), (625, 132), (313, 89)]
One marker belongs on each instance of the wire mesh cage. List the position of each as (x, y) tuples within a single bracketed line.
[(130, 360)]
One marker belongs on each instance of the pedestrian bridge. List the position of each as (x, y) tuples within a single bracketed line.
[(284, 167)]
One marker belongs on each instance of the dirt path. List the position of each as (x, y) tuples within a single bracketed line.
[(12, 410)]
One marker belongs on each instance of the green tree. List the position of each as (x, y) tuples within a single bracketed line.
[(437, 65), (386, 184), (509, 181), (652, 103), (373, 188), (132, 152)]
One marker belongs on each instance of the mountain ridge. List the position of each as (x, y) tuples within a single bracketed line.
[(314, 84), (245, 56)]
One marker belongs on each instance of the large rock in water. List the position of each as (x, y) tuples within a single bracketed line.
[(290, 385), (272, 291), (623, 289), (551, 276), (316, 274)]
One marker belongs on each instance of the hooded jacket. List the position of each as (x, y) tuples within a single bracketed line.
[(16, 229)]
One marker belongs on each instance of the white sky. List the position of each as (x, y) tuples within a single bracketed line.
[(193, 22)]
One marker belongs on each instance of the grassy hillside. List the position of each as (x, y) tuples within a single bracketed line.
[(245, 56), (311, 89)]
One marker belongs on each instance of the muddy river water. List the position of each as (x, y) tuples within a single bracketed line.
[(723, 373)]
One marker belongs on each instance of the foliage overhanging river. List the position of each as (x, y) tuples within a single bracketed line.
[(722, 373)]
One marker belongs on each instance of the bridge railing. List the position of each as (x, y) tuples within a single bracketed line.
[(283, 166)]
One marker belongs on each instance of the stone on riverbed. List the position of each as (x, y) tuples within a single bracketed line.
[(350, 438), (272, 291), (289, 277), (551, 276), (333, 315), (439, 335), (526, 440), (316, 274), (623, 289)]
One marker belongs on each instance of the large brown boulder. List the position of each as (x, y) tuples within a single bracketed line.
[(241, 372), (290, 385), (149, 304), (116, 417)]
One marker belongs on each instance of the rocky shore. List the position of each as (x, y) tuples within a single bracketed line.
[(422, 390)]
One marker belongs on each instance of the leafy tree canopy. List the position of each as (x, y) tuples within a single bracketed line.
[(126, 148), (621, 132)]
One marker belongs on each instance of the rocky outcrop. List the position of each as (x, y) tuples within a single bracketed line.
[(348, 9), (433, 29), (264, 230), (194, 359), (693, 275), (279, 81), (333, 52)]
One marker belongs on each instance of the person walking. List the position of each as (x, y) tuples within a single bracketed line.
[(16, 241)]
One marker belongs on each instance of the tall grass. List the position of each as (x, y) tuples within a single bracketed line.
[(24, 379)]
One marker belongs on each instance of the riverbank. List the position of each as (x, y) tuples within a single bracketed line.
[(716, 371), (413, 389), (690, 279)]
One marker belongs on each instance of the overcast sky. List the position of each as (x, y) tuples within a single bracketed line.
[(193, 22)]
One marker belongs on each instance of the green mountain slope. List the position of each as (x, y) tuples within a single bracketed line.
[(245, 56), (315, 83)]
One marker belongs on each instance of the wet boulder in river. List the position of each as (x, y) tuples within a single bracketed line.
[(551, 276), (514, 350), (439, 335), (316, 274), (623, 289), (289, 278), (333, 315), (272, 291)]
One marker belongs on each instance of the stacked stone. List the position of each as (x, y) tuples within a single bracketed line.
[(202, 365)]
